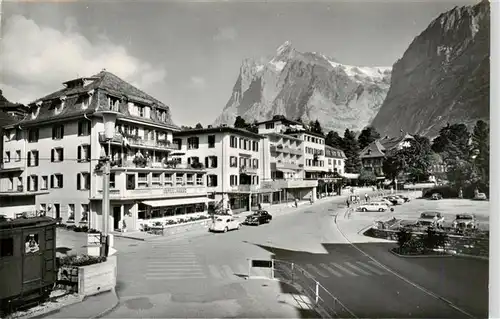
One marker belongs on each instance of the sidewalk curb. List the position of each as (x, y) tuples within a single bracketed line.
[(129, 237), (419, 256), (110, 309), (50, 312)]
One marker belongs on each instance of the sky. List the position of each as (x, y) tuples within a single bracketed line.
[(188, 54)]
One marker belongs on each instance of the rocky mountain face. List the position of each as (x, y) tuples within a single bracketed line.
[(310, 86), (443, 77)]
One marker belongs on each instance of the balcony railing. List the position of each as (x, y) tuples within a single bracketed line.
[(285, 149), (138, 141), (151, 164), (287, 165), (246, 188), (248, 170), (288, 183)]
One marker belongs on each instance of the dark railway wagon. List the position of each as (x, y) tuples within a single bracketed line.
[(27, 261)]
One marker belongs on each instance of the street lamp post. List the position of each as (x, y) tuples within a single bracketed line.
[(109, 120)]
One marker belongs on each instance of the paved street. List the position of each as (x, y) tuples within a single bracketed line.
[(203, 267)]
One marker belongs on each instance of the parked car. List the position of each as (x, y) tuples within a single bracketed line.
[(259, 217), (465, 221), (480, 196), (394, 200), (403, 197), (224, 223), (374, 207), (436, 196), (431, 219)]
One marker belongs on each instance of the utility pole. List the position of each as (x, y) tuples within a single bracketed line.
[(105, 202)]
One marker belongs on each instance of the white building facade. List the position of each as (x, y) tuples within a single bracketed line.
[(59, 145), (287, 161), (235, 162)]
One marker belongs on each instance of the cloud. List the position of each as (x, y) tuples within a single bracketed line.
[(226, 34), (197, 82), (35, 60)]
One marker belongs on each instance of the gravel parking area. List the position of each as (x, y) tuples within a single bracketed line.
[(447, 207)]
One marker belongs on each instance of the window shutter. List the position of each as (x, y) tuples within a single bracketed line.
[(62, 155), (62, 179), (52, 155), (29, 158), (29, 183), (37, 157), (79, 156), (51, 181), (87, 181), (214, 163), (189, 160), (206, 162), (208, 180), (215, 180), (78, 181)]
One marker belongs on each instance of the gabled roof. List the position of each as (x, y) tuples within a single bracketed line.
[(102, 84), (6, 119), (219, 129), (380, 147), (282, 119)]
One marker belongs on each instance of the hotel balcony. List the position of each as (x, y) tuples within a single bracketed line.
[(285, 149), (12, 166), (152, 165), (288, 183), (137, 141), (245, 188), (287, 165), (249, 170)]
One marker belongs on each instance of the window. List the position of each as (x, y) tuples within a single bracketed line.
[(241, 143), (168, 180), (211, 141), (32, 183), (83, 181), (45, 182), (7, 157), (113, 104), (32, 158), (177, 142), (233, 180), (193, 160), (18, 155), (57, 155), (255, 163), (142, 111), (56, 181), (193, 143), (211, 180), (71, 212), (43, 207), (112, 180), (269, 126), (83, 153), (233, 161), (33, 135), (6, 247), (57, 132), (85, 212), (233, 141), (255, 146), (156, 179), (84, 128), (211, 162), (255, 180), (242, 162)]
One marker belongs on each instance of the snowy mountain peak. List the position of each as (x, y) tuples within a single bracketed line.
[(284, 48), (307, 85)]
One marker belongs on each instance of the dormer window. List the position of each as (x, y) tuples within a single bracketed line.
[(113, 103), (87, 99), (36, 111), (141, 110), (59, 107)]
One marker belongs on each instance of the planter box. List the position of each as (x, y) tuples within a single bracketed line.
[(97, 278)]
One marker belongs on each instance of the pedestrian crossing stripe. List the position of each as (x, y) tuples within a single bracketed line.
[(344, 269), (316, 270), (364, 272), (330, 270), (376, 269)]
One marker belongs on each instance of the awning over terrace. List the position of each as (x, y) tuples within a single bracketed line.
[(177, 201)]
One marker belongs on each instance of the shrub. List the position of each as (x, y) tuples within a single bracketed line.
[(79, 261), (434, 239), (404, 236)]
